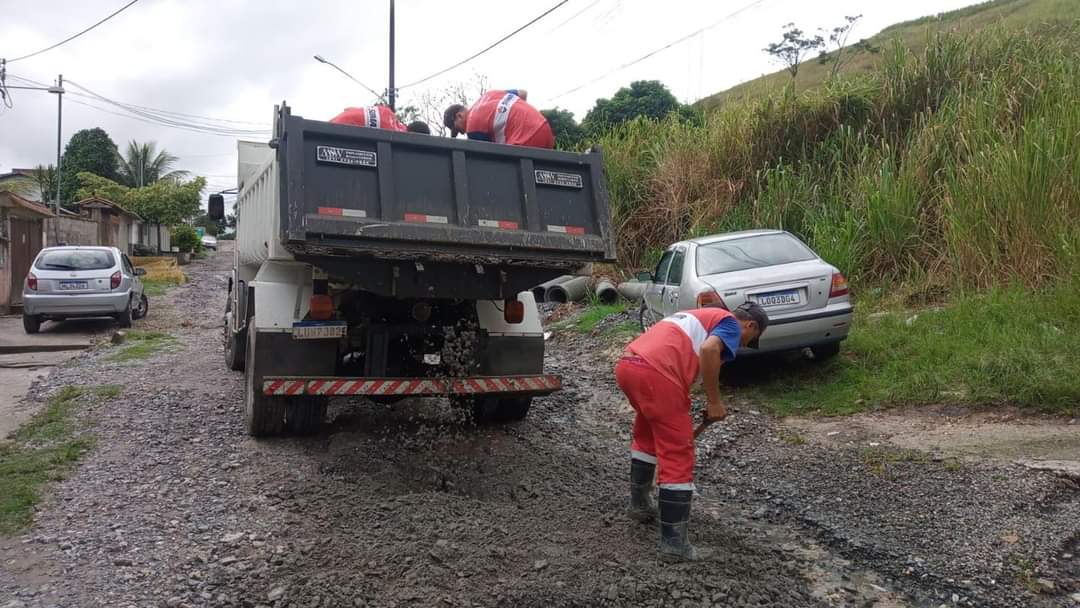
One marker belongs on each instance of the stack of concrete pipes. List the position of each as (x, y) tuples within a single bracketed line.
[(569, 288)]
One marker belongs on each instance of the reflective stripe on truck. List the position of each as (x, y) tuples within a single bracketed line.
[(287, 386)]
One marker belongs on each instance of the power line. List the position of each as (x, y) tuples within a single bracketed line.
[(654, 52), (488, 48), (574, 16), (74, 36)]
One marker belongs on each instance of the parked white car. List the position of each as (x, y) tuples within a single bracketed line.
[(66, 282), (806, 298), (209, 242)]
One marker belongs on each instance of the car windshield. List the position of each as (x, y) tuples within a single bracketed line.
[(75, 259), (751, 252)]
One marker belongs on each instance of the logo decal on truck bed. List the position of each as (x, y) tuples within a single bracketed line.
[(556, 178), (346, 156)]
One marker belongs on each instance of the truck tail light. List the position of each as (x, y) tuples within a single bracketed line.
[(839, 286), (513, 311), (321, 307), (710, 298), (31, 281), (114, 280)]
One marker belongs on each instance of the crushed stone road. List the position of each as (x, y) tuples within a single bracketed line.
[(410, 506)]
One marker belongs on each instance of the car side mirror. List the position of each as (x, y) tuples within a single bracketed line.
[(644, 276), (140, 272), (215, 207)]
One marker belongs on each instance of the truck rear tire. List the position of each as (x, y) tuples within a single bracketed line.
[(493, 410), (234, 341), (264, 416), (305, 415)]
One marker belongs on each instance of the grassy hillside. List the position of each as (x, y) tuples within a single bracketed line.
[(913, 35), (957, 165)]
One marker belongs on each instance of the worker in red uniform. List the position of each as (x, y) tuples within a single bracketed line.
[(378, 117), (503, 117), (656, 373)]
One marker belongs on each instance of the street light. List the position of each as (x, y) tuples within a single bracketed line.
[(321, 59)]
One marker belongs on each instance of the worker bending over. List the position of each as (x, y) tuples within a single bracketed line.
[(378, 117), (656, 373), (503, 117)]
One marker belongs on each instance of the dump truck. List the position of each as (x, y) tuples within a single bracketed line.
[(389, 265)]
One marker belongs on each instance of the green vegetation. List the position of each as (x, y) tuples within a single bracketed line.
[(143, 344), (43, 450), (913, 35), (158, 287), (108, 392), (594, 314), (959, 166), (1005, 346)]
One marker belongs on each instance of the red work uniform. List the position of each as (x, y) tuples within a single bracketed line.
[(505, 118), (656, 375), (376, 117)]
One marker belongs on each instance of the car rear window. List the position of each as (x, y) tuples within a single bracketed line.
[(751, 252), (76, 259)]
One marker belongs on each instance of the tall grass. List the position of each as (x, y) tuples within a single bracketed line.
[(956, 166)]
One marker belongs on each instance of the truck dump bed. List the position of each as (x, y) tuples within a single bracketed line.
[(347, 191)]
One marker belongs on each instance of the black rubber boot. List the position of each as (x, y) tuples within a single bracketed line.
[(674, 520), (642, 508)]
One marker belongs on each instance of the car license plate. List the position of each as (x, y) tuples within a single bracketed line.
[(778, 298), (318, 332), (66, 285)]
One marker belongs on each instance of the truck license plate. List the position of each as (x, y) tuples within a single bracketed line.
[(778, 298), (65, 285), (318, 332)]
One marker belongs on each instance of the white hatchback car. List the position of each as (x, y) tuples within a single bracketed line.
[(66, 282), (806, 298)]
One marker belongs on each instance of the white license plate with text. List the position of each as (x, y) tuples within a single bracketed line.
[(778, 298), (318, 332)]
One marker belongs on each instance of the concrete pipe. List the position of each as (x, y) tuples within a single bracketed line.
[(568, 291), (632, 290), (606, 293), (540, 291)]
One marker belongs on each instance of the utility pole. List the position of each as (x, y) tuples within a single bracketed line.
[(59, 90), (391, 94)]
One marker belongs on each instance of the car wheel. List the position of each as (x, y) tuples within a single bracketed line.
[(822, 352), (31, 323), (143, 309), (124, 319)]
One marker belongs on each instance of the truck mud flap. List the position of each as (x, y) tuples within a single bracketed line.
[(412, 387)]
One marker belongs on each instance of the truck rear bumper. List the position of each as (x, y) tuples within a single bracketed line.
[(411, 387)]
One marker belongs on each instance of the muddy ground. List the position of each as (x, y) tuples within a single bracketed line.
[(410, 506)]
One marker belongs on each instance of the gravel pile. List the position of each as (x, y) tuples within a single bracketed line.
[(411, 505)]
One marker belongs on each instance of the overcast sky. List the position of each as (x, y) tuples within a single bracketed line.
[(234, 59)]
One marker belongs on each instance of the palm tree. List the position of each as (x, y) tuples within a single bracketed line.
[(143, 164)]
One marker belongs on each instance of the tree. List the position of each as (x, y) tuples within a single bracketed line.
[(165, 202), (143, 164), (793, 48), (648, 98), (568, 134), (89, 150), (838, 38), (45, 178)]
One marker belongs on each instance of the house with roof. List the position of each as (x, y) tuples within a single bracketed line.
[(23, 183), (22, 235), (116, 226)]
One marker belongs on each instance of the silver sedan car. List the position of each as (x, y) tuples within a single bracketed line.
[(806, 298), (66, 282)]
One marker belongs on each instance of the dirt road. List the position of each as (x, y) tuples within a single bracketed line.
[(409, 506)]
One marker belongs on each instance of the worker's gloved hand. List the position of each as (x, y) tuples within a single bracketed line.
[(714, 412)]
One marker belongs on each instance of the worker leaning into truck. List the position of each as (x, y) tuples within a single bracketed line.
[(378, 117), (503, 117), (656, 373)]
